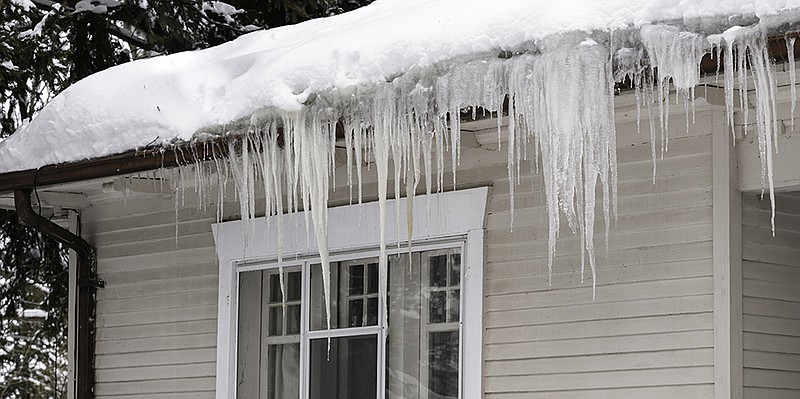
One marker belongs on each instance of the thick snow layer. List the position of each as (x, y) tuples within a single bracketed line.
[(171, 98)]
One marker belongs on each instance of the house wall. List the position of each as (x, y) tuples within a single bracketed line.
[(771, 297), (648, 333), (156, 317)]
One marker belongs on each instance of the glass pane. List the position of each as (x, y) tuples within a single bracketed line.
[(275, 288), (348, 371), (318, 315), (294, 284), (454, 305), (422, 350), (347, 301), (443, 364), (275, 320), (292, 319), (438, 271), (356, 279), (372, 278), (355, 312), (283, 371), (437, 307), (455, 270), (372, 312), (268, 346)]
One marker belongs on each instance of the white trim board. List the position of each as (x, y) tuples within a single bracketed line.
[(442, 215)]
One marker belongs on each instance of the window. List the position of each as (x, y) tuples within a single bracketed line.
[(271, 346)]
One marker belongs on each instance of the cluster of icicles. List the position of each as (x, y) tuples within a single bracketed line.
[(560, 100)]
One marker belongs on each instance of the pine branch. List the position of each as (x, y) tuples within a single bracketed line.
[(130, 37)]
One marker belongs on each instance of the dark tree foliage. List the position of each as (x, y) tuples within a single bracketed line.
[(45, 46)]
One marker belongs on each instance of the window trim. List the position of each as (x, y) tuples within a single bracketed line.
[(436, 217)]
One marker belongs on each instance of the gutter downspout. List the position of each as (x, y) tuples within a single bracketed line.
[(87, 284)]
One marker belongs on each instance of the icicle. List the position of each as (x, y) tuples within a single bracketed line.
[(792, 74)]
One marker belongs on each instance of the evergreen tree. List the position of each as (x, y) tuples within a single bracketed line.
[(45, 46)]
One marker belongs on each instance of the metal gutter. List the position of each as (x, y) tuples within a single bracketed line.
[(114, 165), (87, 284)]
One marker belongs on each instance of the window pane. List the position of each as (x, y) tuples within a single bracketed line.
[(438, 271), (275, 320), (350, 305), (283, 371), (348, 371), (455, 270), (292, 281), (422, 348), (372, 312), (372, 278), (294, 284), (275, 288), (292, 319), (268, 352), (454, 305), (437, 306), (443, 364), (356, 286), (355, 312)]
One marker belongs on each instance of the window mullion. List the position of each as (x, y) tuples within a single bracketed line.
[(305, 317)]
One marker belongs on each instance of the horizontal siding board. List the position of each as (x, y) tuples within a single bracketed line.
[(601, 362), (171, 300), (674, 253), (605, 293), (770, 272), (771, 343), (600, 311), (770, 307), (771, 290), (587, 346), (166, 329), (157, 372), (771, 325), (598, 328), (772, 360), (611, 274), (685, 391), (165, 386), (158, 316), (769, 393), (158, 287), (604, 380), (133, 249), (150, 344), (772, 379), (165, 357)]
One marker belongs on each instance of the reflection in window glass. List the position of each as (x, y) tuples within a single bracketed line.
[(354, 295), (268, 345), (423, 337), (443, 364), (283, 371)]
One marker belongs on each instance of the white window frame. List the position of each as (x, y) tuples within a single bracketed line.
[(449, 215)]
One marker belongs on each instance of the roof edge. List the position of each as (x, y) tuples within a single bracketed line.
[(114, 165)]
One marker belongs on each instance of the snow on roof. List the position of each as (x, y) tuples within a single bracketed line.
[(167, 99)]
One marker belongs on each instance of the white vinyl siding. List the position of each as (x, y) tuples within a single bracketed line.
[(771, 297), (156, 317), (649, 332)]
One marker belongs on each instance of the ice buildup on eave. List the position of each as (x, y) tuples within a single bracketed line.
[(393, 78)]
